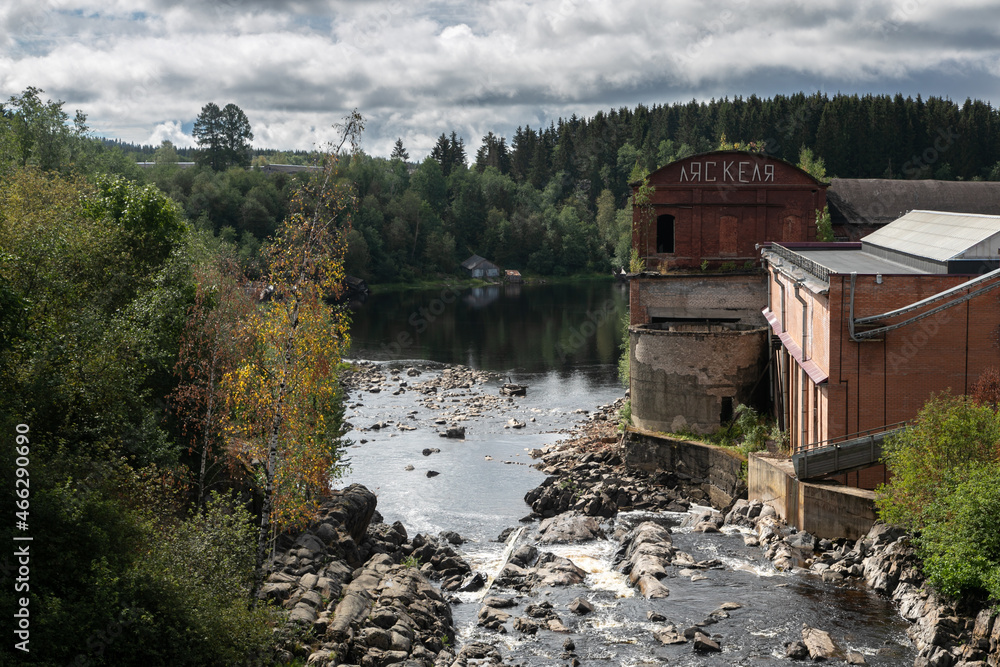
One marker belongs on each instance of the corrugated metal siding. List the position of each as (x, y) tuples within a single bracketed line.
[(937, 236)]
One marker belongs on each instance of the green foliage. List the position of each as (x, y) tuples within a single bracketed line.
[(224, 136), (747, 432), (624, 371), (636, 264), (960, 542), (95, 283), (945, 488), (812, 164), (39, 133), (728, 267), (824, 225), (411, 561), (625, 416), (950, 433)]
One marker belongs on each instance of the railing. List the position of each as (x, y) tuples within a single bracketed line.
[(848, 453), (818, 270), (851, 436)]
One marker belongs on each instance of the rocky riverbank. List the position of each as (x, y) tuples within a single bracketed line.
[(587, 476), (360, 591)]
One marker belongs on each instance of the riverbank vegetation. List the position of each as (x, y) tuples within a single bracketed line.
[(945, 489), (164, 402)]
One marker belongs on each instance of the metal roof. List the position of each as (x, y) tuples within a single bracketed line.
[(855, 261), (879, 201), (938, 236)]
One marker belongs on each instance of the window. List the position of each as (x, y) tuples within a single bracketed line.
[(726, 414), (665, 234)]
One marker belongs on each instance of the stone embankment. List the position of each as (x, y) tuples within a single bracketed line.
[(360, 592)]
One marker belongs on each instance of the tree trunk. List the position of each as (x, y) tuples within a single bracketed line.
[(272, 459)]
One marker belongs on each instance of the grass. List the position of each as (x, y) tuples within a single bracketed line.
[(748, 432)]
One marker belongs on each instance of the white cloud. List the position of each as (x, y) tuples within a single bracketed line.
[(170, 131), (417, 69)]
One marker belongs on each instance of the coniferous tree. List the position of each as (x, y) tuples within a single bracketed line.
[(224, 136), (398, 152)]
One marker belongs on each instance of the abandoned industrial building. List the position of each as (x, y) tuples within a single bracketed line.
[(716, 207), (698, 340), (709, 330), (870, 330)]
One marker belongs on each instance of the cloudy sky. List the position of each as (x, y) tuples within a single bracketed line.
[(141, 70)]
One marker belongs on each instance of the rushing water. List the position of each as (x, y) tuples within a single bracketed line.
[(562, 341)]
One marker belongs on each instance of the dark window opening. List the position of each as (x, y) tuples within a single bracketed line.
[(665, 234), (726, 415)]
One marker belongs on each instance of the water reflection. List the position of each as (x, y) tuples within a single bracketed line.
[(530, 328)]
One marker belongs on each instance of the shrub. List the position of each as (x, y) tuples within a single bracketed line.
[(945, 488), (960, 545), (950, 433), (625, 416)]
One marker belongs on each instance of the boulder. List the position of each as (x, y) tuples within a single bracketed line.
[(491, 618), (555, 570), (796, 651), (569, 527), (526, 626), (651, 588), (705, 644), (669, 636), (819, 643)]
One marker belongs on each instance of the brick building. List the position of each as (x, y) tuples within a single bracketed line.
[(718, 206), (870, 330), (698, 341)]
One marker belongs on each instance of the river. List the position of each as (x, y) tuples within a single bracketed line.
[(563, 342)]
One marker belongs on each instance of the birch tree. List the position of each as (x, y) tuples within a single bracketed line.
[(284, 400)]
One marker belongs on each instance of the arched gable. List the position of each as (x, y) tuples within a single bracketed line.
[(720, 206), (732, 168)]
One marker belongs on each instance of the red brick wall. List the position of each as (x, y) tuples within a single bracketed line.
[(881, 382), (724, 204)]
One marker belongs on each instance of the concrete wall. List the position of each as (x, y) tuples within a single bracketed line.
[(680, 376), (698, 295), (716, 470), (825, 510)]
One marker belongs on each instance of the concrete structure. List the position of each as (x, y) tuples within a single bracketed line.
[(716, 472), (865, 340), (697, 297), (697, 348), (689, 377), (824, 510), (716, 207)]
